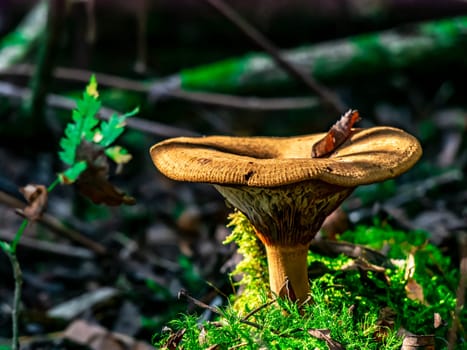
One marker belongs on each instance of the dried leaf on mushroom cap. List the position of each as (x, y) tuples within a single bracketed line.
[(338, 133)]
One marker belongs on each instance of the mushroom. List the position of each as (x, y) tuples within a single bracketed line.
[(285, 193)]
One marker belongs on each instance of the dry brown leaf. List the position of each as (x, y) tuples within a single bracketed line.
[(438, 321), (338, 133), (174, 339), (426, 342), (324, 334), (93, 182), (97, 188), (36, 196), (202, 338), (414, 290), (287, 291), (98, 338)]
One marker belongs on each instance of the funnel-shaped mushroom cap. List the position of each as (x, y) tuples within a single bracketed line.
[(276, 183), (367, 156)]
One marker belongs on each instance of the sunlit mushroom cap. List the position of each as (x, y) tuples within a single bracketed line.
[(367, 156)]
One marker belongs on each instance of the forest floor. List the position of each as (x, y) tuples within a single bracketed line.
[(104, 277)]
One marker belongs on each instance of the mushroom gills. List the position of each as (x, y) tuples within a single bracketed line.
[(286, 219)]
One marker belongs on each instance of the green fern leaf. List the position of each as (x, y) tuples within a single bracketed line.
[(110, 130), (86, 127), (87, 109), (69, 143), (83, 125)]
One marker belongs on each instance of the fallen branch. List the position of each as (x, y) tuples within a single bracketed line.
[(57, 101), (327, 96), (386, 52), (56, 226), (205, 98)]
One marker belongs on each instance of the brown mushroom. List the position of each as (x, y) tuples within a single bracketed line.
[(284, 192)]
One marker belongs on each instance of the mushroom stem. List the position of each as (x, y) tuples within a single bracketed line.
[(288, 272)]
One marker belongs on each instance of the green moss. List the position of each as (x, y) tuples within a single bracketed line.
[(273, 330), (252, 272), (362, 303), (218, 76), (418, 264)]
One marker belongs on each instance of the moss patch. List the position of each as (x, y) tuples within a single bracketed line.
[(358, 301)]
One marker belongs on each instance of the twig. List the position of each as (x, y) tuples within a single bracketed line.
[(10, 251), (207, 98), (56, 226), (63, 250), (58, 101), (327, 96), (146, 126), (252, 312), (18, 277), (185, 294), (199, 303), (250, 103), (413, 191)]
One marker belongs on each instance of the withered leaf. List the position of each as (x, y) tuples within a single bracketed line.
[(324, 334), (96, 337), (338, 133), (93, 182), (36, 196), (414, 290), (418, 342), (287, 291), (438, 320), (98, 189), (174, 339)]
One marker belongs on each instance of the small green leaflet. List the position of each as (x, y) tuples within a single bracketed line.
[(110, 130), (118, 154), (87, 109), (71, 174), (83, 125)]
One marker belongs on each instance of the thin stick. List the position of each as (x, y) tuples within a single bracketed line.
[(248, 103), (10, 251), (199, 303), (58, 101), (18, 277), (252, 312), (327, 96), (56, 226), (207, 98)]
